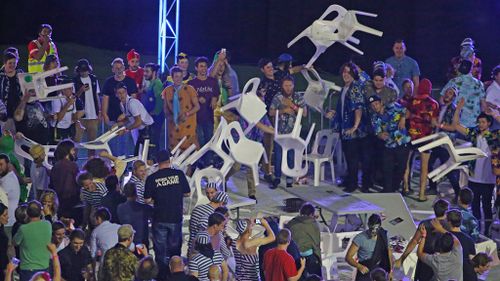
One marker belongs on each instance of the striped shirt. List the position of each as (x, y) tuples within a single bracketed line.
[(139, 185), (247, 266), (94, 198), (198, 221), (200, 264)]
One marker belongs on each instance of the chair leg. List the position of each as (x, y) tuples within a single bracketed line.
[(322, 173), (317, 171), (332, 168)]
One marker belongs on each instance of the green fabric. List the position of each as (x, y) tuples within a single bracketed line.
[(7, 148), (33, 239), (306, 234), (223, 90), (157, 87)]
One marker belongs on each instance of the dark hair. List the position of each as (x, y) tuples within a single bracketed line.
[(83, 176), (200, 60), (154, 67), (444, 244), (406, 81), (454, 217), (307, 209), (287, 78), (120, 85), (379, 72), (130, 190), (2, 208), (481, 259), (50, 59), (44, 25), (374, 219), (466, 196), (488, 118), (5, 157), (102, 213), (21, 213), (440, 207), (284, 236), (222, 210), (63, 149), (399, 41), (77, 233), (215, 219), (378, 274), (97, 167), (147, 269), (495, 71), (8, 56), (353, 70), (34, 209), (175, 69), (465, 67), (263, 62), (111, 182), (57, 225)]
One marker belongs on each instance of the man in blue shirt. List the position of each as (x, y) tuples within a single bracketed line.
[(389, 126), (405, 67)]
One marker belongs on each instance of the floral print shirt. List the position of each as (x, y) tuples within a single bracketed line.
[(388, 123), (345, 116), (423, 111), (493, 139), (286, 121)]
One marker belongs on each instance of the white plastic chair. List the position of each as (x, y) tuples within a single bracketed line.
[(458, 156), (249, 106), (212, 175), (293, 141), (36, 82), (102, 141), (317, 89), (244, 151), (324, 33), (319, 158), (332, 251), (49, 150)]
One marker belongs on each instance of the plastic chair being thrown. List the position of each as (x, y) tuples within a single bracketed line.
[(324, 33), (249, 106), (317, 89), (293, 142), (459, 156), (36, 82), (24, 141), (101, 143)]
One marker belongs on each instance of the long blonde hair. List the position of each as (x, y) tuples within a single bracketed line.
[(51, 195)]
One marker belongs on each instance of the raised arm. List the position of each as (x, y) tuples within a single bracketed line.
[(263, 240), (456, 118)]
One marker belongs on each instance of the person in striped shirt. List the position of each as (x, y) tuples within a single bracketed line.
[(139, 174), (200, 214), (206, 257), (91, 194)]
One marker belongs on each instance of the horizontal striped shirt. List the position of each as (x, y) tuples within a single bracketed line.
[(94, 198), (198, 221), (139, 185), (201, 264)]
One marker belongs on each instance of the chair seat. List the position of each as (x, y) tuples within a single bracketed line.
[(237, 201)]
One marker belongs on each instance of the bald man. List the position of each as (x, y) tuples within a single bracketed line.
[(214, 273), (177, 270)]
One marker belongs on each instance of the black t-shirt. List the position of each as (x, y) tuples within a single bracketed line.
[(423, 271), (34, 124), (72, 263), (167, 188), (13, 96), (114, 103), (468, 249), (269, 88)]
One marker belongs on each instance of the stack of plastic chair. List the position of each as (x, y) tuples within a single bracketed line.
[(294, 142), (244, 151), (459, 156), (36, 82), (317, 89), (24, 141), (249, 106), (324, 33), (320, 158), (101, 142)]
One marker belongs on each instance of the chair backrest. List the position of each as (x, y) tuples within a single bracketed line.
[(328, 137), (338, 241), (211, 174)]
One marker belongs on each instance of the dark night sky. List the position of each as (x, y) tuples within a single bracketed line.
[(252, 29)]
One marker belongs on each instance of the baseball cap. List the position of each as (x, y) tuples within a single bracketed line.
[(125, 231), (117, 60), (374, 98), (83, 65), (285, 58), (220, 197), (163, 155)]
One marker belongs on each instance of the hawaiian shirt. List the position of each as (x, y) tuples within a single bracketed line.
[(344, 119), (286, 121), (118, 265), (423, 111), (405, 101), (470, 225), (268, 88), (448, 119), (388, 123), (493, 139), (455, 62), (472, 90)]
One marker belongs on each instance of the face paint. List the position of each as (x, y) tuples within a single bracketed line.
[(373, 229)]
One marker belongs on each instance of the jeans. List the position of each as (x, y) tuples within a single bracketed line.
[(483, 193), (204, 133), (278, 151), (454, 176), (355, 151), (393, 166), (25, 275), (143, 135), (167, 240), (156, 132)]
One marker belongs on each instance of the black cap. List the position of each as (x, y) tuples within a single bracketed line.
[(120, 85), (374, 98), (163, 155), (83, 65)]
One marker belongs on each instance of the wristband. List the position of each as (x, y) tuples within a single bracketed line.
[(54, 257)]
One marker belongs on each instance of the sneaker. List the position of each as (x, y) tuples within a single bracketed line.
[(289, 185), (275, 184)]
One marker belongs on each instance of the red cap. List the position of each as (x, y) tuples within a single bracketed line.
[(132, 54), (424, 88)]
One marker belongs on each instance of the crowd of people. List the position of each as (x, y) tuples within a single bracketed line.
[(85, 223)]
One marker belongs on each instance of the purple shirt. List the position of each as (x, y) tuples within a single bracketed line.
[(206, 89)]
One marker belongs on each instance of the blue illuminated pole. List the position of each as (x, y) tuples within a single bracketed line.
[(168, 38)]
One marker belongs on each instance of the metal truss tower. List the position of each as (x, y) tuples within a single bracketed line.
[(168, 32)]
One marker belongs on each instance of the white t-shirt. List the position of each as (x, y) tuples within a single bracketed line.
[(90, 110), (10, 185), (57, 106), (483, 173), (132, 108)]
